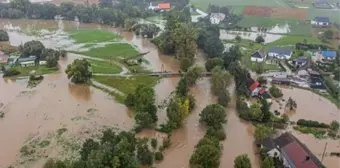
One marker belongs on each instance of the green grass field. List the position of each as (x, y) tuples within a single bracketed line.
[(40, 70), (126, 85), (114, 50), (290, 41), (203, 4), (334, 15), (92, 35), (104, 67)]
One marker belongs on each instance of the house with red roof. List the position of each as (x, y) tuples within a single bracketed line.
[(159, 6), (292, 152)]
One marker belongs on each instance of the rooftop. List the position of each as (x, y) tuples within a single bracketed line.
[(31, 58), (254, 86), (328, 53), (321, 19), (164, 6), (279, 50), (259, 54), (298, 156)]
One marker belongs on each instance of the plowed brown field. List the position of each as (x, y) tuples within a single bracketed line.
[(287, 13)]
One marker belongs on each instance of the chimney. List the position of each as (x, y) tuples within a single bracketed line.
[(307, 158)]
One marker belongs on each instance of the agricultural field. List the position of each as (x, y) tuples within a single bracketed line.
[(104, 67), (93, 35), (286, 13), (203, 4)]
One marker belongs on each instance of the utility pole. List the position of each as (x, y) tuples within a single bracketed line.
[(323, 154)]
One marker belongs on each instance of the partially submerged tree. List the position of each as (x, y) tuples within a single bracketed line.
[(213, 115), (3, 35), (193, 74), (262, 132), (291, 104), (334, 125), (33, 48), (259, 39), (212, 63), (79, 71), (242, 161)]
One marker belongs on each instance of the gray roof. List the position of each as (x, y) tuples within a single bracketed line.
[(26, 59), (279, 50), (258, 54), (268, 144)]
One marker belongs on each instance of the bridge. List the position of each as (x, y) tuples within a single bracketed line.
[(174, 74)]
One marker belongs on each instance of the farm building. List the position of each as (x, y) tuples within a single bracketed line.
[(160, 6), (320, 21), (258, 56), (27, 62), (216, 18), (290, 151), (328, 54), (280, 53)]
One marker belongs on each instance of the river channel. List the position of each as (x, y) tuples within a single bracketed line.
[(32, 114)]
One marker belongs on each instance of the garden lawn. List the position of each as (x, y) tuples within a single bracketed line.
[(203, 4), (92, 35), (104, 67), (40, 70), (126, 85), (114, 50)]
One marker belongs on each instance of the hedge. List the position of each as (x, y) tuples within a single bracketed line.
[(310, 123)]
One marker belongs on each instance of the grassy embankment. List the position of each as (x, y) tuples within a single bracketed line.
[(39, 70)]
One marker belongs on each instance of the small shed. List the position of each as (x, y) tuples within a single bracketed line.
[(258, 56)]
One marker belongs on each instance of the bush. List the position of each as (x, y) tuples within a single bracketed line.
[(3, 35), (154, 143), (332, 134), (213, 62), (310, 123), (334, 125), (275, 92), (129, 101), (12, 71), (159, 156), (218, 134), (259, 39), (285, 118)]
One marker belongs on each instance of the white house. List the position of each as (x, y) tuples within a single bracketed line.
[(216, 18), (320, 21), (258, 56), (280, 53), (153, 6)]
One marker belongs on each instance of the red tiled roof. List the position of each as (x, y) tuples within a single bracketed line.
[(164, 6), (298, 156), (261, 90), (254, 86)]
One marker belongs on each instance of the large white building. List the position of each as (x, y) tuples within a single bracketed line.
[(280, 53)]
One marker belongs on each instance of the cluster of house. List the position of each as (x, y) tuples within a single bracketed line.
[(256, 90), (16, 60), (159, 6), (290, 151), (216, 18)]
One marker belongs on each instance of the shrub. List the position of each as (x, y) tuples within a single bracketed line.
[(334, 125), (154, 143), (159, 156), (275, 92), (12, 71), (310, 123), (216, 133), (259, 39)]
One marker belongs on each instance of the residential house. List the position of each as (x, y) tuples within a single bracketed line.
[(330, 55), (290, 151), (254, 89), (159, 7), (216, 18), (153, 6), (258, 56), (27, 62), (320, 21), (280, 53)]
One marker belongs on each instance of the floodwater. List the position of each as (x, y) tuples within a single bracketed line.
[(37, 114), (310, 106)]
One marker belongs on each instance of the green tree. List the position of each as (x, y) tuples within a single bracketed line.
[(259, 39), (33, 48), (154, 143), (22, 5), (213, 46), (213, 115), (328, 34), (144, 155), (185, 37), (174, 113), (182, 88), (255, 112), (262, 132), (3, 35), (206, 156), (88, 146), (267, 163), (238, 38), (275, 92), (242, 161), (233, 55), (285, 118), (130, 100), (265, 110), (212, 63), (334, 125), (220, 80), (79, 71), (193, 74), (159, 156)]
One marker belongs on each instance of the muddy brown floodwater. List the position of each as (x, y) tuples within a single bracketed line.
[(37, 114)]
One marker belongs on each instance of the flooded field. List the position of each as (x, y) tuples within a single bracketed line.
[(310, 106), (42, 114), (230, 35)]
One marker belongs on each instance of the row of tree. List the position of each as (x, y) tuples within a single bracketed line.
[(113, 150), (207, 152), (106, 12)]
